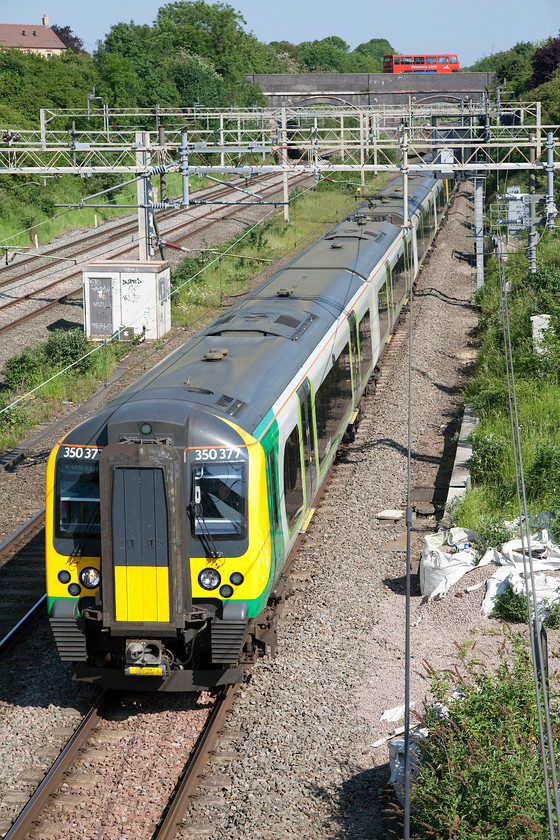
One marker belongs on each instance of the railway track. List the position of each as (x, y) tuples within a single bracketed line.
[(96, 742), (38, 297), (108, 233), (22, 579)]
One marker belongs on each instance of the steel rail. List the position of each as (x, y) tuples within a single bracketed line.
[(29, 617), (105, 236), (72, 293), (27, 526), (32, 811), (188, 782)]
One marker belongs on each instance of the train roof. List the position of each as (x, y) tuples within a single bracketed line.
[(240, 363)]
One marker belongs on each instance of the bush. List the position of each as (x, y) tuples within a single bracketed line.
[(493, 533), (542, 479), (511, 606), (64, 347), (487, 460), (23, 371), (481, 773), (546, 279)]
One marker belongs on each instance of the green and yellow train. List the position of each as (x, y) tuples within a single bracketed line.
[(171, 512)]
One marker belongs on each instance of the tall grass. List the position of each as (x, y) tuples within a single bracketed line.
[(202, 284), (537, 378), (28, 205)]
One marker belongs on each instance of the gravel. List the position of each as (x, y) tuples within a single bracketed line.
[(297, 757), (306, 766)]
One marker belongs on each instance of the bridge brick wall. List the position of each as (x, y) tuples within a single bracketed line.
[(368, 89)]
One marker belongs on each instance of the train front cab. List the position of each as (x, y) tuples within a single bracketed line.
[(184, 570)]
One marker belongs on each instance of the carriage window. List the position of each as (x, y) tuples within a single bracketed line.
[(293, 481), (399, 280), (220, 500), (364, 333), (332, 402), (383, 310), (77, 499)]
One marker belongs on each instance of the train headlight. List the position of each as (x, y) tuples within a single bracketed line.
[(226, 591), (236, 578), (209, 579), (64, 576), (90, 577)]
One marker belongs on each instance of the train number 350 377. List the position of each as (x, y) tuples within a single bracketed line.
[(217, 454)]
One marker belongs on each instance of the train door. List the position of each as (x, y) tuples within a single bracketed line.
[(353, 326), (273, 505), (308, 439), (389, 293), (140, 545)]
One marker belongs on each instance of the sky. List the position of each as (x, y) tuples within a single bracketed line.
[(473, 29)]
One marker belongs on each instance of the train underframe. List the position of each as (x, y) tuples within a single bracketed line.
[(209, 652)]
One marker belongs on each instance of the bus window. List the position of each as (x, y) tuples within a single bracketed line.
[(431, 59), (453, 59), (443, 59), (406, 59), (419, 59), (397, 59)]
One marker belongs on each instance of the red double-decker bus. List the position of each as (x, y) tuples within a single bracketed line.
[(420, 63)]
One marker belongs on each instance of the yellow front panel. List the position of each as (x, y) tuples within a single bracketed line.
[(254, 565), (141, 593)]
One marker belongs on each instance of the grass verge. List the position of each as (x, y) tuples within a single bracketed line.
[(201, 286)]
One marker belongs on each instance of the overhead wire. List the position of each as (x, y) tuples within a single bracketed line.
[(533, 618), (143, 314)]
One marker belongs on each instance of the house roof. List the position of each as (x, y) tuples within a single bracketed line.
[(29, 36)]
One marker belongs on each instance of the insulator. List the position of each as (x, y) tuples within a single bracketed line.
[(164, 205)]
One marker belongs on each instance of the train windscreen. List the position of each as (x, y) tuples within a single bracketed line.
[(220, 499), (77, 499)]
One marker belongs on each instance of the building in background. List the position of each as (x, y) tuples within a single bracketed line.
[(31, 38)]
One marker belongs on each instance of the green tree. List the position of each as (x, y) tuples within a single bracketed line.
[(195, 81), (368, 57), (215, 32), (513, 65), (329, 55)]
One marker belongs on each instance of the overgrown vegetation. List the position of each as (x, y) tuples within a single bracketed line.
[(480, 773), (202, 283), (25, 372), (493, 498)]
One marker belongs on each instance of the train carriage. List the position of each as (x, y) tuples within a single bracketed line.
[(172, 511)]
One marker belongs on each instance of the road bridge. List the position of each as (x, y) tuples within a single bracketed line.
[(365, 90)]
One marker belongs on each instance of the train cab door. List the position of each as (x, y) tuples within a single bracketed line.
[(353, 326), (308, 440)]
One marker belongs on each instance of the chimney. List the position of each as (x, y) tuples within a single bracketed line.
[(45, 20)]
